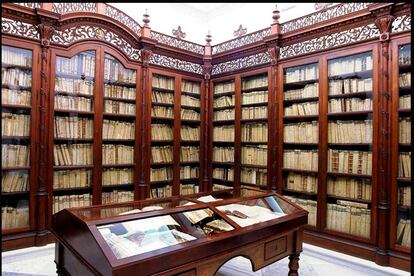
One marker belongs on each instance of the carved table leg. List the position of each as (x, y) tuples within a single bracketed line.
[(293, 265)]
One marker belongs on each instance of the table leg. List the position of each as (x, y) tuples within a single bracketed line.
[(293, 265)]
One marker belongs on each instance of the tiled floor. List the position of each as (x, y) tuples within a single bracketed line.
[(314, 261)]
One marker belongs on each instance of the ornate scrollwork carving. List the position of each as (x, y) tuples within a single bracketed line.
[(78, 33), (207, 67), (241, 63), (29, 5), (401, 23), (331, 40), (240, 31), (240, 41), (13, 27), (123, 18), (145, 54), (178, 43), (46, 32), (323, 15), (174, 63), (178, 33), (274, 54), (383, 24), (73, 7)]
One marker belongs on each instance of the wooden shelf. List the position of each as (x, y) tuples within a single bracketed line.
[(257, 186), (301, 100), (350, 114), (16, 138), (254, 89), (75, 77), (25, 168), (404, 112), (222, 181), (364, 94), (16, 87), (359, 75), (74, 112), (197, 108), (165, 90), (404, 180), (300, 192), (190, 180), (190, 163), (255, 104), (229, 93), (224, 164), (362, 146), (403, 90), (162, 141), (224, 122), (162, 119), (404, 67), (299, 171), (404, 208), (190, 142), (71, 190), (224, 143), (118, 165), (73, 167), (161, 182), (14, 106), (120, 83), (350, 199), (298, 83), (253, 166), (300, 145), (162, 164), (162, 104), (349, 175), (16, 230), (190, 122), (15, 193), (116, 115), (195, 95), (223, 108), (73, 140), (253, 120), (120, 99), (117, 186), (301, 118), (117, 141), (253, 143), (72, 94), (21, 67)]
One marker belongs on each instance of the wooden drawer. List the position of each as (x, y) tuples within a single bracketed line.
[(275, 247)]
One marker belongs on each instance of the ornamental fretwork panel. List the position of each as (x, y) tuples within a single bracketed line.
[(241, 41), (401, 23), (29, 5), (177, 43), (323, 15), (73, 7), (75, 34), (241, 63), (123, 18), (330, 41), (174, 63), (13, 27)]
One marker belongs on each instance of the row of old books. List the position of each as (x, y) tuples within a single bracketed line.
[(15, 217), (187, 114), (302, 73), (14, 56), (160, 97), (348, 86), (190, 86), (404, 232), (224, 87), (15, 155), (307, 204), (405, 79), (161, 192), (161, 132), (301, 132), (223, 133), (162, 111), (223, 173), (347, 65), (16, 97), (300, 159), (302, 182), (405, 101), (115, 176), (349, 217), (187, 172), (223, 154), (190, 133), (404, 164), (256, 112), (73, 127), (73, 103), (404, 196), (302, 109), (404, 129), (255, 155), (71, 201), (256, 132), (117, 154), (65, 179), (73, 86), (162, 154), (189, 154), (253, 176), (308, 91), (118, 130), (15, 124), (188, 189), (71, 66), (16, 77), (221, 115), (350, 187), (120, 92), (189, 101), (404, 57), (254, 97), (225, 101), (255, 82), (349, 105), (350, 132), (114, 71), (347, 161), (72, 154), (161, 174), (14, 181), (162, 82), (119, 107), (116, 196)]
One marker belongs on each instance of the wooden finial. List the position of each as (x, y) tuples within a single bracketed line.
[(146, 19), (276, 15), (208, 37)]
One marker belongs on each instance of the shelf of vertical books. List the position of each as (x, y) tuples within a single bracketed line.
[(403, 230), (16, 100), (350, 145), (73, 130)]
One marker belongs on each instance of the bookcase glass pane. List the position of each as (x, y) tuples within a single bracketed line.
[(350, 144), (301, 136), (16, 86), (162, 136), (73, 130), (403, 228), (223, 134)]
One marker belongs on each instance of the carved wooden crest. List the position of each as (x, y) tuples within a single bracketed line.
[(178, 33), (240, 31)]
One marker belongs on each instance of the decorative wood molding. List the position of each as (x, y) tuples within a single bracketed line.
[(18, 28), (178, 33), (118, 15), (73, 7), (401, 23), (177, 43), (174, 63), (383, 24), (29, 5), (240, 31), (241, 63)]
